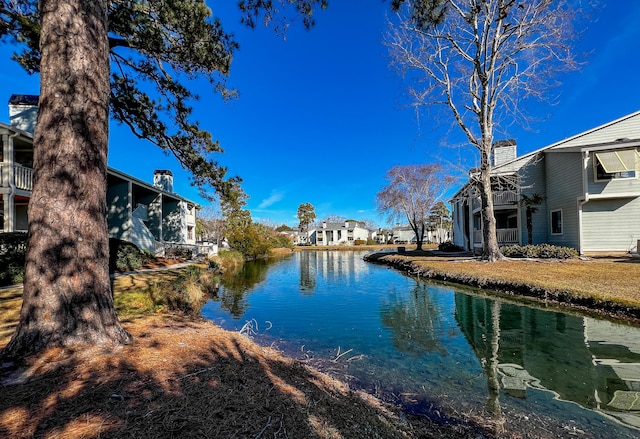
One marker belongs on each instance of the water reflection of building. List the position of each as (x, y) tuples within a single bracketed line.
[(347, 266), (591, 362)]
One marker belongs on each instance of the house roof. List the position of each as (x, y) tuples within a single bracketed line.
[(17, 99), (340, 225), (22, 133), (619, 133), (609, 134), (149, 186), (110, 170)]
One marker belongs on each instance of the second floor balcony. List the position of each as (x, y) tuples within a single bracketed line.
[(22, 178), (500, 199)]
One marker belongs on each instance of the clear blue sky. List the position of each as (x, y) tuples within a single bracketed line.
[(319, 118)]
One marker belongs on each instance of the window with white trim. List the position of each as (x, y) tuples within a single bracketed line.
[(609, 165), (556, 222)]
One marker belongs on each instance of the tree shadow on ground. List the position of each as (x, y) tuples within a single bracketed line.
[(184, 378)]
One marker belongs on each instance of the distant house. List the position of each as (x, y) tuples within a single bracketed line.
[(404, 234), (339, 233), (382, 236), (151, 216), (591, 188), (296, 236)]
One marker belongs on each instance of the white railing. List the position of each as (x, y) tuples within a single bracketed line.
[(505, 236), (22, 176), (502, 198)]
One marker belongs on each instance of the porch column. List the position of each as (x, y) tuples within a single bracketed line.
[(470, 231), (9, 210), (519, 215), (9, 213)]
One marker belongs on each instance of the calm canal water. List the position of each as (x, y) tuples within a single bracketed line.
[(428, 346)]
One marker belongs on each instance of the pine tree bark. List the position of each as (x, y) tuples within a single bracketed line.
[(67, 291)]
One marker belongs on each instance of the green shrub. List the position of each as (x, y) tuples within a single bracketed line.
[(449, 247), (250, 241), (542, 251), (13, 250), (124, 255), (280, 241)]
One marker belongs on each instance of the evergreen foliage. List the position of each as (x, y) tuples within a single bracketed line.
[(306, 216), (124, 255), (13, 249)]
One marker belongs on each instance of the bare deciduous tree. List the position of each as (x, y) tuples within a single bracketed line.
[(482, 59), (412, 193)]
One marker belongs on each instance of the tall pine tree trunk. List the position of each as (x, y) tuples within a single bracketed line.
[(67, 291)]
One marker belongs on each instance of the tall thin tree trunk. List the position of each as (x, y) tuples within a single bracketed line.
[(490, 249), (67, 291), (529, 225)]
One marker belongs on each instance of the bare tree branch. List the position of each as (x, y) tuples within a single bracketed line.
[(483, 59)]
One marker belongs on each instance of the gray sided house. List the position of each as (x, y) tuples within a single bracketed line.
[(591, 188), (151, 216)]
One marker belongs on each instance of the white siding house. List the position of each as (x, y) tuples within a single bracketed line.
[(591, 188), (341, 233)]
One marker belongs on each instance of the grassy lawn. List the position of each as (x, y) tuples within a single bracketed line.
[(614, 280)]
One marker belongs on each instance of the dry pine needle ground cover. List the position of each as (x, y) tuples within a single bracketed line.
[(187, 378)]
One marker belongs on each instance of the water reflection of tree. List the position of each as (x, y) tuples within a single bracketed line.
[(237, 284), (491, 363), (479, 320), (416, 322), (308, 272)]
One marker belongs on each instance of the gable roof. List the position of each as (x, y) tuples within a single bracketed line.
[(609, 133), (621, 132), (111, 171)]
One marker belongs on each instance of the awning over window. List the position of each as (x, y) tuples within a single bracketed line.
[(619, 161)]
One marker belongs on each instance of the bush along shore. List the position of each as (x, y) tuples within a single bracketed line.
[(533, 279)]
